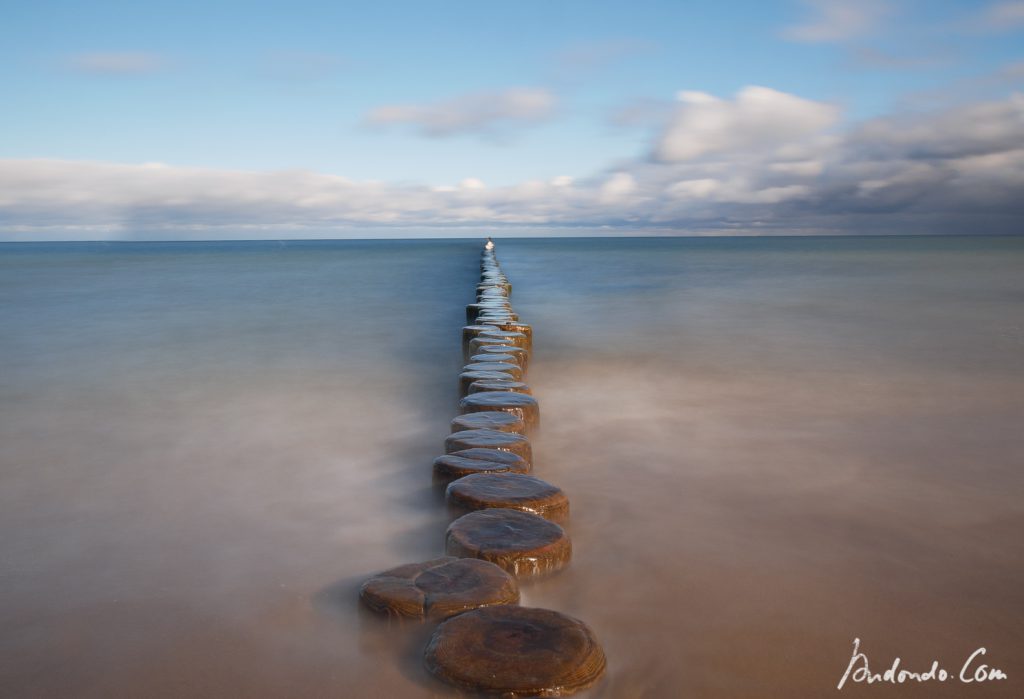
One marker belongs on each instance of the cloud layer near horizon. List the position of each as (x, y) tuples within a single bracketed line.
[(763, 161)]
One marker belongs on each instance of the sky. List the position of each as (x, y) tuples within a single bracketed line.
[(189, 120)]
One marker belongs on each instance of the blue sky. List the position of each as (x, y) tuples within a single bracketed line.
[(406, 100)]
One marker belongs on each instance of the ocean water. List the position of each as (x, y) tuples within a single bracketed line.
[(772, 446)]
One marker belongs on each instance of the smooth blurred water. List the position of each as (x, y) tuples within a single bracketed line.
[(771, 446)]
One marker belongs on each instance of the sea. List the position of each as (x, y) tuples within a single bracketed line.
[(773, 448)]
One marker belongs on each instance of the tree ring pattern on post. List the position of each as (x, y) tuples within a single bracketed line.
[(468, 377), (488, 420), (515, 652), (516, 491), (482, 386), (510, 337), (468, 461), (511, 368), (438, 588), (489, 439), (471, 331), (520, 542), (521, 355), (480, 341), (495, 357), (506, 337), (519, 404)]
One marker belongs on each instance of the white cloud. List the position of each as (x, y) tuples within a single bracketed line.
[(617, 187), (837, 20), (757, 118), (694, 189), (975, 129), (117, 63), (478, 112), (805, 168), (961, 170)]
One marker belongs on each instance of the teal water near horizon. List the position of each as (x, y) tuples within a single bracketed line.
[(772, 446)]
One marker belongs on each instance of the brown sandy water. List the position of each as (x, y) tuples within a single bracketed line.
[(770, 447)]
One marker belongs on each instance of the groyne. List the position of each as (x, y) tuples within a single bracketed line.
[(509, 529)]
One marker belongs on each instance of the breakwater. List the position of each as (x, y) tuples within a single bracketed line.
[(508, 530)]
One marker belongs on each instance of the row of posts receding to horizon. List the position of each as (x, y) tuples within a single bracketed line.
[(509, 529)]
